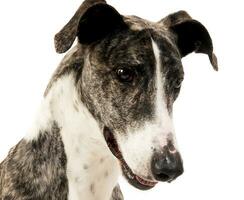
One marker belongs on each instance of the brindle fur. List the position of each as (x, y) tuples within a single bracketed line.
[(37, 169)]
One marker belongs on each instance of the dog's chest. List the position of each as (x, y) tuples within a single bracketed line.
[(92, 173), (95, 180)]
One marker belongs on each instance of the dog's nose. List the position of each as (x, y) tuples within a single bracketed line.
[(166, 166)]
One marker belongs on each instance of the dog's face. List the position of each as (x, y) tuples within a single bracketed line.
[(131, 77)]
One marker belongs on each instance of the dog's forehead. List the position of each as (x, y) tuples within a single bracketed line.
[(137, 23), (134, 45)]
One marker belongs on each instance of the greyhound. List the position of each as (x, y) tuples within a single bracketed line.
[(107, 109)]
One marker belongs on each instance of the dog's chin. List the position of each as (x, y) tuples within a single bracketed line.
[(133, 179)]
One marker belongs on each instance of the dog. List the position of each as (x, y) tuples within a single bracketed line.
[(107, 109)]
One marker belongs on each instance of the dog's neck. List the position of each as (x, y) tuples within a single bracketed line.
[(92, 171)]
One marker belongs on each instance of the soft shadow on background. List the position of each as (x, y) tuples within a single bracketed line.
[(208, 114)]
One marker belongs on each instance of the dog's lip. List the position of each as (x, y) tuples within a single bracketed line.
[(135, 180), (132, 178)]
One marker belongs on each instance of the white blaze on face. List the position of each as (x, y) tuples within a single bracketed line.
[(138, 145), (163, 118)]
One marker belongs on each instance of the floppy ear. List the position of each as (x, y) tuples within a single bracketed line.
[(92, 21), (191, 35)]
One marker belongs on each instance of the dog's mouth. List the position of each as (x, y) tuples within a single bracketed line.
[(133, 179)]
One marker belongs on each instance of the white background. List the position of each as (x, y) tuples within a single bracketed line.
[(208, 114)]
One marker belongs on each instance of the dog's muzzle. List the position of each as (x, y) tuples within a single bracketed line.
[(131, 177), (166, 165)]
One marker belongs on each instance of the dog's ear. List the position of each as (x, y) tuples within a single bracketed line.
[(191, 35), (92, 21)]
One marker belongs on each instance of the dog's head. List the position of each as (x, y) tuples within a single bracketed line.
[(131, 76)]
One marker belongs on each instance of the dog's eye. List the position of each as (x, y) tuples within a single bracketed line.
[(125, 74), (177, 83)]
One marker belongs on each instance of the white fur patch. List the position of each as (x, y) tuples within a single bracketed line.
[(162, 114), (92, 170)]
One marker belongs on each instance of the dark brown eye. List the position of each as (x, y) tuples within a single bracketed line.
[(125, 74), (177, 83)]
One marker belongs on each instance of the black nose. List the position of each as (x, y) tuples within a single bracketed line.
[(166, 166)]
